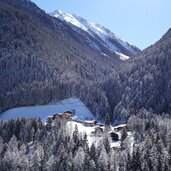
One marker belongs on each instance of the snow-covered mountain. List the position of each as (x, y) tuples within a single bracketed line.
[(98, 36)]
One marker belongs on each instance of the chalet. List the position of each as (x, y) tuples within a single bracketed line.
[(57, 116), (100, 124), (78, 121), (67, 116), (99, 130), (127, 127), (69, 111), (90, 123), (114, 136), (50, 117)]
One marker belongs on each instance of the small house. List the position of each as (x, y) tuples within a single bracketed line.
[(101, 125), (69, 111), (78, 121), (114, 136), (67, 116), (50, 117), (99, 130), (90, 123), (127, 127), (57, 116)]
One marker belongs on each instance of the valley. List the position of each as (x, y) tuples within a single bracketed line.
[(74, 96)]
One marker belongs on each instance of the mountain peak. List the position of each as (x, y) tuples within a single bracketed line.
[(96, 31), (167, 34)]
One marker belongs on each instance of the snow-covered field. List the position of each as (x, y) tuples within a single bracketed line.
[(81, 111)]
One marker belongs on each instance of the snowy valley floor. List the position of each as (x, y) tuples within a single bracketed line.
[(81, 113)]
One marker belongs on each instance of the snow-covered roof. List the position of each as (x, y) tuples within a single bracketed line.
[(90, 122), (122, 125)]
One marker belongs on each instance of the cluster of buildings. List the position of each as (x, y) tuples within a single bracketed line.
[(98, 129), (67, 115)]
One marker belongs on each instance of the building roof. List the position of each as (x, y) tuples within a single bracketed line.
[(68, 111), (90, 122)]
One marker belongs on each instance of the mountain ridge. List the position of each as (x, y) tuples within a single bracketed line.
[(144, 84), (104, 35)]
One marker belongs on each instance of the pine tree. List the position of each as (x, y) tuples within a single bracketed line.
[(93, 153), (107, 144), (49, 124), (103, 161), (79, 159), (136, 161), (107, 122), (124, 134), (128, 164), (76, 136), (169, 155)]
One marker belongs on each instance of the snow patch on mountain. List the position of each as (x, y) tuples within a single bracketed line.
[(69, 18), (96, 31), (122, 56)]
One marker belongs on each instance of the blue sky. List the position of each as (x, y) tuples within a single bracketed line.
[(140, 22)]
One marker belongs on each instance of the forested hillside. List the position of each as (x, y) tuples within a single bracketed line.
[(41, 60), (27, 144), (143, 82)]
